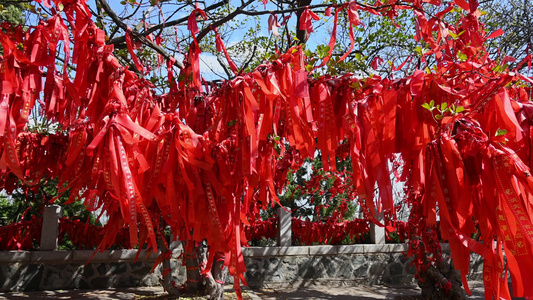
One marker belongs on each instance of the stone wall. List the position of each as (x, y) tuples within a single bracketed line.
[(362, 264), (266, 266), (352, 264), (54, 270)]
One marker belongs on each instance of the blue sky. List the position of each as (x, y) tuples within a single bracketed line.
[(210, 67)]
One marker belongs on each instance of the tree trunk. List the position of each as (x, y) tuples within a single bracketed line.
[(166, 281), (194, 284), (441, 282), (215, 282), (210, 284)]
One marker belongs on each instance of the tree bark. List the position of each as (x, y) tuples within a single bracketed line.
[(441, 282), (215, 282), (301, 35), (194, 283), (166, 281), (211, 284)]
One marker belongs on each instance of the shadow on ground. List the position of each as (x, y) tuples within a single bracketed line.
[(359, 292), (122, 293)]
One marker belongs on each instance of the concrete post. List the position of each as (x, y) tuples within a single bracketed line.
[(377, 233), (50, 229), (174, 243), (284, 228)]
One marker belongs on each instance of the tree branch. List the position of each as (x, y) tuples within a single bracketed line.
[(140, 37), (324, 5), (122, 39), (239, 10), (247, 62), (224, 66)]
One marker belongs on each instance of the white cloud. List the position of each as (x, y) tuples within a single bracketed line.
[(210, 68)]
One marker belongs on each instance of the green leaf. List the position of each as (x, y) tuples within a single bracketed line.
[(426, 106), (432, 103), (459, 109), (443, 106), (461, 56), (453, 35), (501, 132), (439, 117)]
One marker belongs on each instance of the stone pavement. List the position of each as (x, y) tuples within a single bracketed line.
[(302, 291), (105, 294), (358, 292)]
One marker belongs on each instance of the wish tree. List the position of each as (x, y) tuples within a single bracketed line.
[(204, 158)]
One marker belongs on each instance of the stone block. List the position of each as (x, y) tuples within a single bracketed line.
[(141, 268), (289, 270), (310, 269), (177, 252), (50, 227), (125, 255), (4, 275), (88, 271), (118, 268), (294, 251), (376, 273), (350, 249), (395, 269), (83, 256), (361, 270), (175, 244), (253, 263), (377, 234), (284, 228), (260, 251), (323, 250), (11, 257), (31, 278), (150, 280), (344, 267), (57, 278), (101, 268), (271, 263), (331, 265), (63, 256), (385, 248), (253, 276), (357, 260), (399, 248)]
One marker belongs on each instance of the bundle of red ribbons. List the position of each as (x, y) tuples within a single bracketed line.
[(208, 161), (329, 232), (21, 235), (83, 235)]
